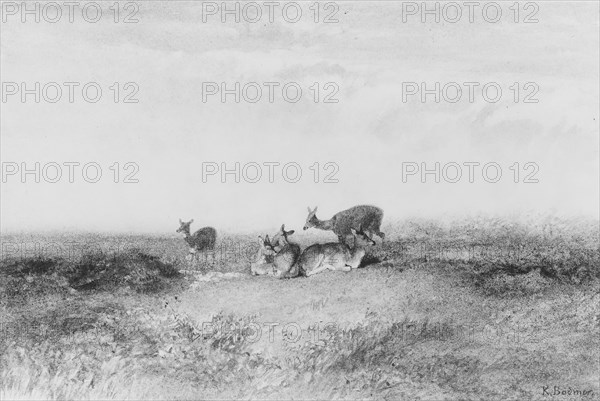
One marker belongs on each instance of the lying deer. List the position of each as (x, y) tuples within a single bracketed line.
[(334, 256), (287, 254), (263, 263)]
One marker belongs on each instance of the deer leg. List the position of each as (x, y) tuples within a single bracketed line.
[(292, 272), (193, 256), (321, 266), (190, 256), (211, 253), (317, 266), (317, 270)]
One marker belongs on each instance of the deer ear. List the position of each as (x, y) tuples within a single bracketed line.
[(267, 238), (180, 222), (315, 211), (260, 239), (191, 221), (309, 211), (282, 227), (290, 232)]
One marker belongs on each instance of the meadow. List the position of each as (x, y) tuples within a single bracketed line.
[(477, 308)]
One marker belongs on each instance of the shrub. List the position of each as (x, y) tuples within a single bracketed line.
[(36, 276), (562, 249)]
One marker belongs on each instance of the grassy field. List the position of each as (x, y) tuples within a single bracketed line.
[(482, 309)]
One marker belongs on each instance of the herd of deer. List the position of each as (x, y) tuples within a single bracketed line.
[(284, 259)]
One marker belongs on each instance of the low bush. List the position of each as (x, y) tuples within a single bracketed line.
[(35, 276)]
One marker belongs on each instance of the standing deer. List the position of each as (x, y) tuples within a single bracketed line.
[(287, 254), (203, 239), (365, 216), (334, 255), (263, 263)]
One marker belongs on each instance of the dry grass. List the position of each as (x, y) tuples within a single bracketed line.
[(483, 309)]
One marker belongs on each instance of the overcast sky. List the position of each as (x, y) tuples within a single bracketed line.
[(368, 134)]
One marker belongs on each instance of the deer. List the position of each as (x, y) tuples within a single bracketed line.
[(335, 255), (287, 254), (263, 263), (366, 216), (203, 239)]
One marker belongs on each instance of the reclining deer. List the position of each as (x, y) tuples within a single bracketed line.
[(365, 216), (263, 262), (286, 258), (283, 259), (276, 257), (334, 255)]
